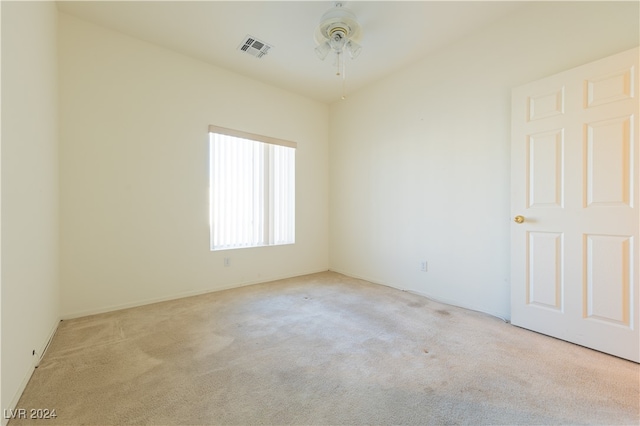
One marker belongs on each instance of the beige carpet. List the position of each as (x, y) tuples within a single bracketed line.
[(321, 349)]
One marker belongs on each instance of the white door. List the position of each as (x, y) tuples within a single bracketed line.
[(574, 174)]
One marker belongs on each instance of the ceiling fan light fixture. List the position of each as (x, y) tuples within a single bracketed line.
[(323, 50), (338, 32), (337, 26), (354, 49)]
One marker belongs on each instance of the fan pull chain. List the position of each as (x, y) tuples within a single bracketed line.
[(344, 80)]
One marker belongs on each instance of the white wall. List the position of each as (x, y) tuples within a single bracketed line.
[(419, 162), (30, 290), (134, 172)]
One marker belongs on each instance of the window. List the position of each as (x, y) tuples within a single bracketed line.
[(252, 190)]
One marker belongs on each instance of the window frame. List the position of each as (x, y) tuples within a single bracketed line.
[(267, 218)]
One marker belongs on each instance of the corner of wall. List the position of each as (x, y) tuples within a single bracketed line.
[(29, 263)]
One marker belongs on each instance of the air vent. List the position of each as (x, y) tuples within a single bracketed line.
[(254, 47)]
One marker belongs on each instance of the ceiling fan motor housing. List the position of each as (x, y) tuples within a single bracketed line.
[(338, 24)]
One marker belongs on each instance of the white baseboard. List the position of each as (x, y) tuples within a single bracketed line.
[(42, 349), (181, 295)]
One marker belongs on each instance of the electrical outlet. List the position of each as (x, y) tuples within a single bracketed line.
[(423, 266), (227, 261)]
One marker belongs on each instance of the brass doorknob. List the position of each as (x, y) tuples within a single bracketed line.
[(518, 219)]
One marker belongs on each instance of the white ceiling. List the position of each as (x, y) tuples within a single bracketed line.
[(395, 34)]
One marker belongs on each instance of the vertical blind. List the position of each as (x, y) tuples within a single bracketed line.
[(252, 190)]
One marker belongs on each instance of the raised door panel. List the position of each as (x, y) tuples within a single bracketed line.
[(545, 166), (608, 162), (545, 271), (608, 279)]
